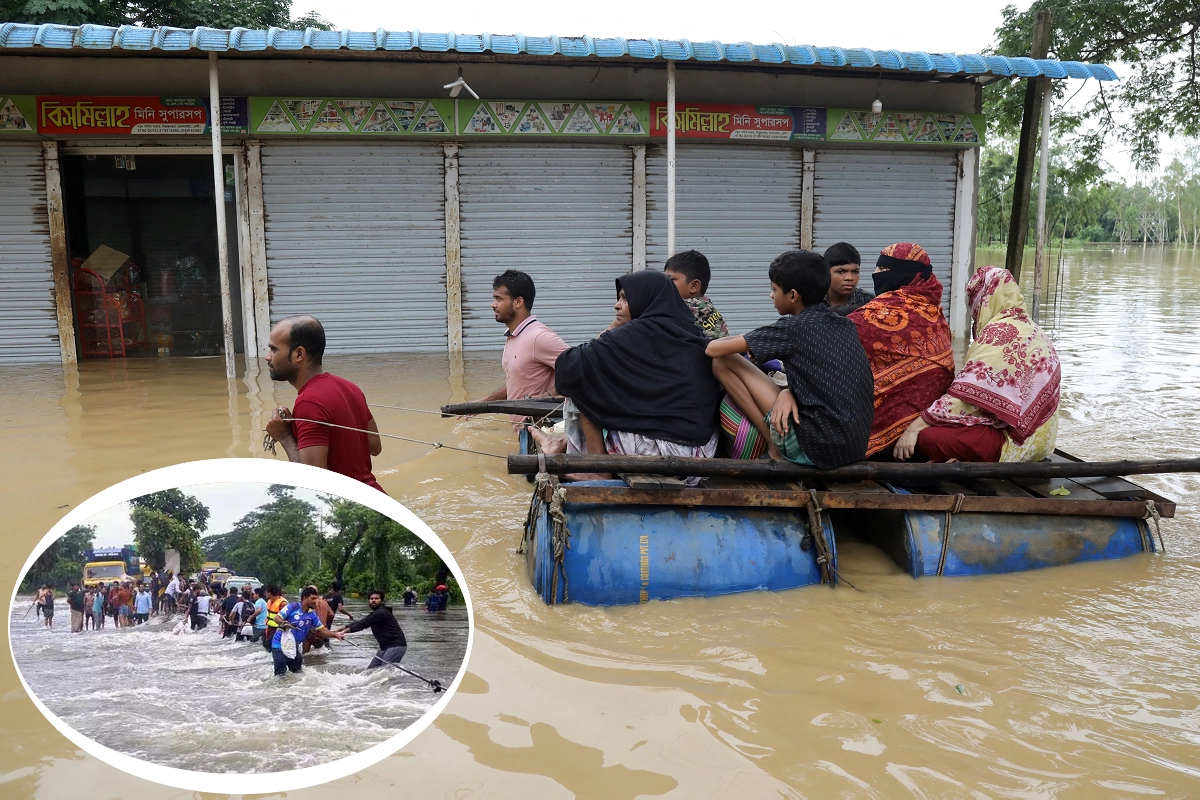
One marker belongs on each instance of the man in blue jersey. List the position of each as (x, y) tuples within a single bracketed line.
[(299, 620)]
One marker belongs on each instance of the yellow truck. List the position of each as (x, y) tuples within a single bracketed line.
[(108, 564)]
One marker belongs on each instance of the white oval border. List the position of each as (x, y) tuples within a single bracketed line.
[(249, 470)]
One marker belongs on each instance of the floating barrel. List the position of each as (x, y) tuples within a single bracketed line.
[(620, 555)]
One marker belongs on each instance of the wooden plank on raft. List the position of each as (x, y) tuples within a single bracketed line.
[(766, 498), (1113, 488), (651, 481), (856, 486), (1047, 488), (898, 473), (998, 487)]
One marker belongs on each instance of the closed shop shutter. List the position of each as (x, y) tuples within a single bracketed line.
[(28, 321), (740, 206), (561, 213), (355, 236), (873, 198)]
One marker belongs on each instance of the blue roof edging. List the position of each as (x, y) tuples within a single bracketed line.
[(19, 36)]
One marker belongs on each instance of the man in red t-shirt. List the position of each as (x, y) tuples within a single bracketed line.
[(294, 355)]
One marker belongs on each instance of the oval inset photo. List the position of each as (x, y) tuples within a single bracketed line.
[(241, 625)]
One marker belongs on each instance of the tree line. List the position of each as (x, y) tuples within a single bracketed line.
[(1082, 204), (292, 543), (286, 541), (1153, 45), (162, 13)]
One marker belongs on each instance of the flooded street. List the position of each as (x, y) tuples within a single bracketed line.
[(1076, 681), (143, 691)]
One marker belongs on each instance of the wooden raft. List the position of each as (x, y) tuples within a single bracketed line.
[(1089, 496)]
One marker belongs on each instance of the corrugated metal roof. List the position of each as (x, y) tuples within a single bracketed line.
[(16, 36)]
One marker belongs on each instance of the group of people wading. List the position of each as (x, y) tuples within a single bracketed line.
[(842, 376), (261, 614)]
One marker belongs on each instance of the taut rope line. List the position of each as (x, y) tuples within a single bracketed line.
[(269, 443)]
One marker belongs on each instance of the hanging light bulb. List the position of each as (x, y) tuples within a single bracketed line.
[(877, 106)]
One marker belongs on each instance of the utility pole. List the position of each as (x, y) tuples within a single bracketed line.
[(1018, 224)]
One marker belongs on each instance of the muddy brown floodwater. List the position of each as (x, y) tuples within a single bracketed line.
[(1077, 681)]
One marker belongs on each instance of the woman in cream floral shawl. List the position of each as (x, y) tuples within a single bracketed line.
[(1002, 404)]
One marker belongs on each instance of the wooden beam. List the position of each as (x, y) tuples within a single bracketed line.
[(245, 265), (1018, 224), (639, 206), (807, 202), (901, 473), (454, 329), (866, 500), (526, 408), (256, 208), (59, 257), (962, 262)]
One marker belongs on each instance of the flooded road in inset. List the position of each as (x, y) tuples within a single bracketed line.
[(1076, 681), (198, 702)]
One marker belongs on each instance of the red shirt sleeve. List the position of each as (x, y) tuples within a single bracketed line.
[(309, 434)]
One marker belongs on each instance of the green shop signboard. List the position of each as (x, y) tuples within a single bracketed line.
[(17, 114), (589, 118), (362, 116), (604, 119), (400, 117), (904, 127)]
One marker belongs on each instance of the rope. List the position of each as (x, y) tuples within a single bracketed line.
[(560, 540), (957, 507), (535, 503), (269, 442), (1152, 513)]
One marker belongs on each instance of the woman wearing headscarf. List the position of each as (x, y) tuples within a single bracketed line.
[(645, 386), (907, 340), (1001, 405)]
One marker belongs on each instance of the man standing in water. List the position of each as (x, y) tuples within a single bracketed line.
[(299, 620), (385, 628), (530, 348), (294, 354), (75, 602)]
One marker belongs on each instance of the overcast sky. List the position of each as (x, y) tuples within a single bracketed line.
[(931, 25), (227, 503)]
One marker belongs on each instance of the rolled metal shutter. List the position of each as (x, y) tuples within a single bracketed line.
[(563, 214), (740, 206), (355, 235), (873, 198), (28, 320)]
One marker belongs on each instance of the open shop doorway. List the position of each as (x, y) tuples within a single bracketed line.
[(142, 242)]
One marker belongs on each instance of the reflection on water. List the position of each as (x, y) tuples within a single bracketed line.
[(1080, 680), (198, 702)]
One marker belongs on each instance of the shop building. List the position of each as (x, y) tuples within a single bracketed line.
[(355, 189)]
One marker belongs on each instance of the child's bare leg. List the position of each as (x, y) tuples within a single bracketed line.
[(593, 437), (752, 391)]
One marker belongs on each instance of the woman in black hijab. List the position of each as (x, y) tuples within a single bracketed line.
[(647, 382)]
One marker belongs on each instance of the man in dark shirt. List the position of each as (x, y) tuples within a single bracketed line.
[(830, 390), (75, 603), (336, 602), (387, 631), (229, 626), (294, 353)]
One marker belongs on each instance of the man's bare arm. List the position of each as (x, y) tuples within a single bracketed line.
[(374, 443), (499, 394), (313, 456)]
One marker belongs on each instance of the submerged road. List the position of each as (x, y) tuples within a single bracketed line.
[(1078, 681)]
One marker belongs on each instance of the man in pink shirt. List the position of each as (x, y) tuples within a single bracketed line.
[(530, 348)]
